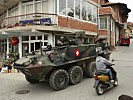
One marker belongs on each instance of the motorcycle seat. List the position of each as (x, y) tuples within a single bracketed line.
[(101, 72)]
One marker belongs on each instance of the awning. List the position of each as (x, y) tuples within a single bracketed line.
[(36, 29)]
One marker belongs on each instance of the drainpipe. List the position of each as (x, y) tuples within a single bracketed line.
[(98, 21), (110, 29)]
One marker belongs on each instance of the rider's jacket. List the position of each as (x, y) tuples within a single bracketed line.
[(101, 63)]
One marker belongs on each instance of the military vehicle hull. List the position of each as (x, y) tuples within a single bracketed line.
[(61, 65)]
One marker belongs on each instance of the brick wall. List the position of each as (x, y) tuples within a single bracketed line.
[(76, 24), (103, 32), (96, 1), (100, 1), (112, 39), (107, 10)]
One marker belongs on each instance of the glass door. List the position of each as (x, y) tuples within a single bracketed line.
[(25, 48)]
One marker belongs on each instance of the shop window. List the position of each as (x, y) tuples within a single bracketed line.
[(37, 45), (62, 7), (45, 37), (70, 9), (33, 38), (25, 48), (32, 47), (45, 43), (103, 23), (25, 38), (39, 37)]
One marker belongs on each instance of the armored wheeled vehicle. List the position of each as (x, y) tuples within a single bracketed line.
[(59, 65)]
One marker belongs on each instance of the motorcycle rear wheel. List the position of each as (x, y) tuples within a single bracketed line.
[(99, 89), (116, 82)]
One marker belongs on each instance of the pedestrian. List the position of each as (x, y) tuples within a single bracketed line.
[(125, 97)]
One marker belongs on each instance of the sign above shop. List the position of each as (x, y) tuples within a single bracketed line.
[(36, 21)]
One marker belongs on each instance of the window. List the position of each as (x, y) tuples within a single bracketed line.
[(23, 11), (39, 37), (38, 7), (45, 43), (62, 7), (45, 6), (89, 12), (94, 14), (33, 38), (83, 10), (112, 26), (25, 38), (103, 23), (29, 8), (55, 6), (70, 9), (80, 9), (45, 37), (77, 9)]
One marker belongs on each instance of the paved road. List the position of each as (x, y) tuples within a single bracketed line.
[(10, 83)]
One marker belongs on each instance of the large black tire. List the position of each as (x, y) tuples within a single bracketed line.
[(31, 80), (99, 89), (75, 74), (59, 79), (90, 69)]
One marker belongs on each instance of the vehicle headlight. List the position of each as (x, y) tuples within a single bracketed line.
[(40, 62)]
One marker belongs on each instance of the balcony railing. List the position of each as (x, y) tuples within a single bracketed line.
[(29, 19)]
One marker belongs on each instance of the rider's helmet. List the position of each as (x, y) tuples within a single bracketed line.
[(101, 53)]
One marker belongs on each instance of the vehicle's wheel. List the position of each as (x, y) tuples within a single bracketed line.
[(31, 80), (59, 79), (75, 74), (99, 89), (116, 82), (90, 69)]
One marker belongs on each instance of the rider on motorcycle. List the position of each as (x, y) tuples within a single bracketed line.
[(101, 65)]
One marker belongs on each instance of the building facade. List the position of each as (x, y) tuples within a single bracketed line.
[(113, 21), (32, 21)]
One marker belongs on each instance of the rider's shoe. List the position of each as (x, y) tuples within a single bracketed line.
[(112, 81)]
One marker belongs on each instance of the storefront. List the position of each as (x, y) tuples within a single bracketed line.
[(28, 42)]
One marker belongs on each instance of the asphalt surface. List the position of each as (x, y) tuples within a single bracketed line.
[(11, 83)]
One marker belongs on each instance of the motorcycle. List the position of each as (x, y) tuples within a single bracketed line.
[(102, 81)]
